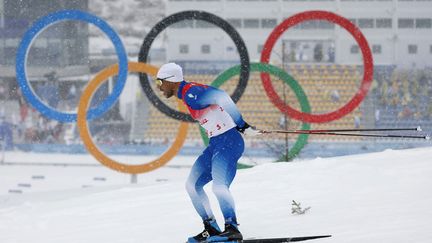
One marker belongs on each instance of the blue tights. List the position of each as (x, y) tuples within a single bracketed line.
[(218, 162)]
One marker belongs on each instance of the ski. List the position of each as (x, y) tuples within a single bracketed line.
[(278, 240), (283, 240)]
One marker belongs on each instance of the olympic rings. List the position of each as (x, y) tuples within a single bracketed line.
[(294, 85), (199, 15), (243, 69), (86, 136), (43, 23), (367, 62)]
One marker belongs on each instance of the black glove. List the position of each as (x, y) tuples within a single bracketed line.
[(248, 130), (242, 129)]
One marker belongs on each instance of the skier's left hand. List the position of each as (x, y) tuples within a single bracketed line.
[(249, 131)]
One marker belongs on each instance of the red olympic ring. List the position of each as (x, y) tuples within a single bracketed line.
[(367, 62)]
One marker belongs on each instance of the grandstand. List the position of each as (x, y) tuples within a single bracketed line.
[(404, 99)]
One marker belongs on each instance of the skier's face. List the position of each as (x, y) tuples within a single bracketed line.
[(166, 87)]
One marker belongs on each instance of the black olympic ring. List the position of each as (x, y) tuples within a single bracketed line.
[(198, 15)]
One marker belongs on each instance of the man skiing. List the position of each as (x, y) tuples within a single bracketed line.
[(218, 115)]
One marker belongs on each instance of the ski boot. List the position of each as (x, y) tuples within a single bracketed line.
[(211, 228), (230, 234)]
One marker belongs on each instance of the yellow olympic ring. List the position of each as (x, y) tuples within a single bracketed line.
[(84, 132)]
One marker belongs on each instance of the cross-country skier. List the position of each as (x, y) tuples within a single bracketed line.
[(218, 115)]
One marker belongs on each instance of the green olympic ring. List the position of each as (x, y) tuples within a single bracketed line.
[(294, 85)]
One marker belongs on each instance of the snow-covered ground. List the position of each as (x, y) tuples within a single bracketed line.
[(377, 197)]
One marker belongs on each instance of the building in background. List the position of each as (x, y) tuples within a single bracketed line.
[(59, 51), (399, 31), (62, 47)]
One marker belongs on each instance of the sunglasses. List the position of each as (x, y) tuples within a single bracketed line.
[(159, 80)]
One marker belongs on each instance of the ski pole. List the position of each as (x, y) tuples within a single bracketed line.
[(427, 137), (348, 130)]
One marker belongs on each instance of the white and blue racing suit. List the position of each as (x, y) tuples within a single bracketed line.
[(218, 115)]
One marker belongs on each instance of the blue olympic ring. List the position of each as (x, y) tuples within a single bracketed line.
[(27, 40)]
